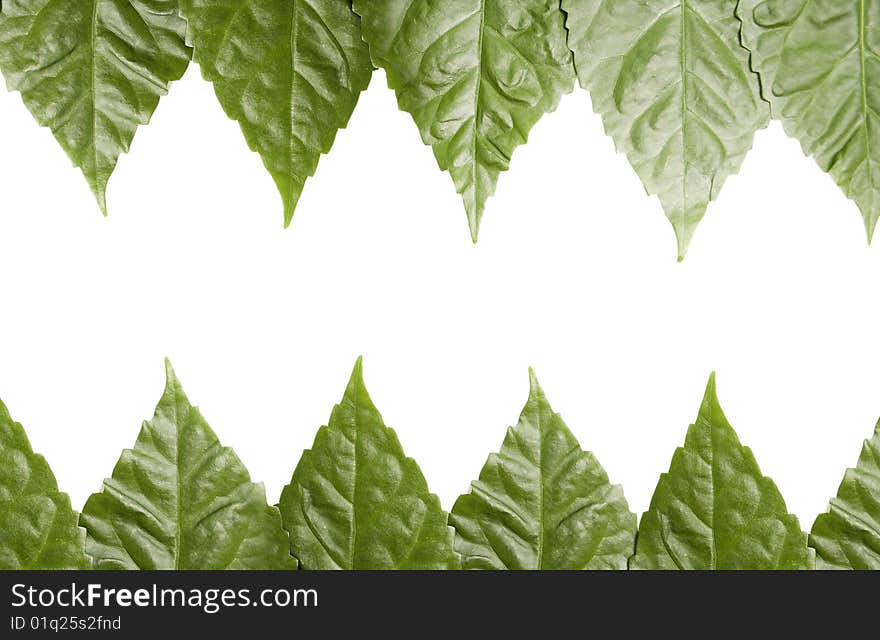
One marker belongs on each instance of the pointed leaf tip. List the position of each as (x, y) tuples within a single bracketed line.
[(178, 470), (711, 406), (235, 40), (475, 206), (701, 517), (799, 101), (518, 514), (871, 226), (356, 501), (35, 34), (289, 210), (534, 385), (684, 233), (356, 390), (474, 218), (173, 391), (684, 175), (473, 146), (170, 374), (101, 198)]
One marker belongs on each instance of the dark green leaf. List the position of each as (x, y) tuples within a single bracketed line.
[(38, 528), (92, 71), (675, 91), (715, 510), (180, 500), (476, 75), (290, 72), (543, 503), (848, 536), (357, 502)]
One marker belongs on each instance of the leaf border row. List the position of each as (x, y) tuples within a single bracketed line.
[(683, 228), (820, 539)]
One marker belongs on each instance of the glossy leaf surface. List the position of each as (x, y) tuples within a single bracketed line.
[(290, 72), (476, 75), (543, 503), (714, 509), (675, 91), (180, 500), (848, 535), (819, 63), (38, 527), (357, 502), (92, 71)]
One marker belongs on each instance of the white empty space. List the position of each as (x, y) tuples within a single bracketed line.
[(575, 274)]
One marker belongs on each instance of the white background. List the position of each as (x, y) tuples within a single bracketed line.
[(575, 274)]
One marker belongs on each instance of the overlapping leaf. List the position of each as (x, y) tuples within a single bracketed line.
[(819, 64), (543, 503), (38, 528), (289, 72), (848, 535), (675, 91), (476, 75), (180, 500), (715, 510), (357, 502), (92, 71)]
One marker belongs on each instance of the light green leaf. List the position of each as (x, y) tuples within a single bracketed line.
[(180, 500), (38, 528), (357, 502), (543, 503), (289, 72), (92, 71), (675, 92), (848, 535), (820, 68), (476, 75), (715, 510)]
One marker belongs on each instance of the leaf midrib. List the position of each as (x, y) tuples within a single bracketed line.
[(474, 161), (684, 106), (541, 494), (294, 51), (714, 563), (179, 536), (93, 51), (352, 549), (863, 45)]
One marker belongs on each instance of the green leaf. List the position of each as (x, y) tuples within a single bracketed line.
[(543, 503), (848, 535), (675, 92), (180, 500), (92, 71), (820, 68), (715, 510), (476, 75), (38, 528), (357, 502), (289, 72)]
